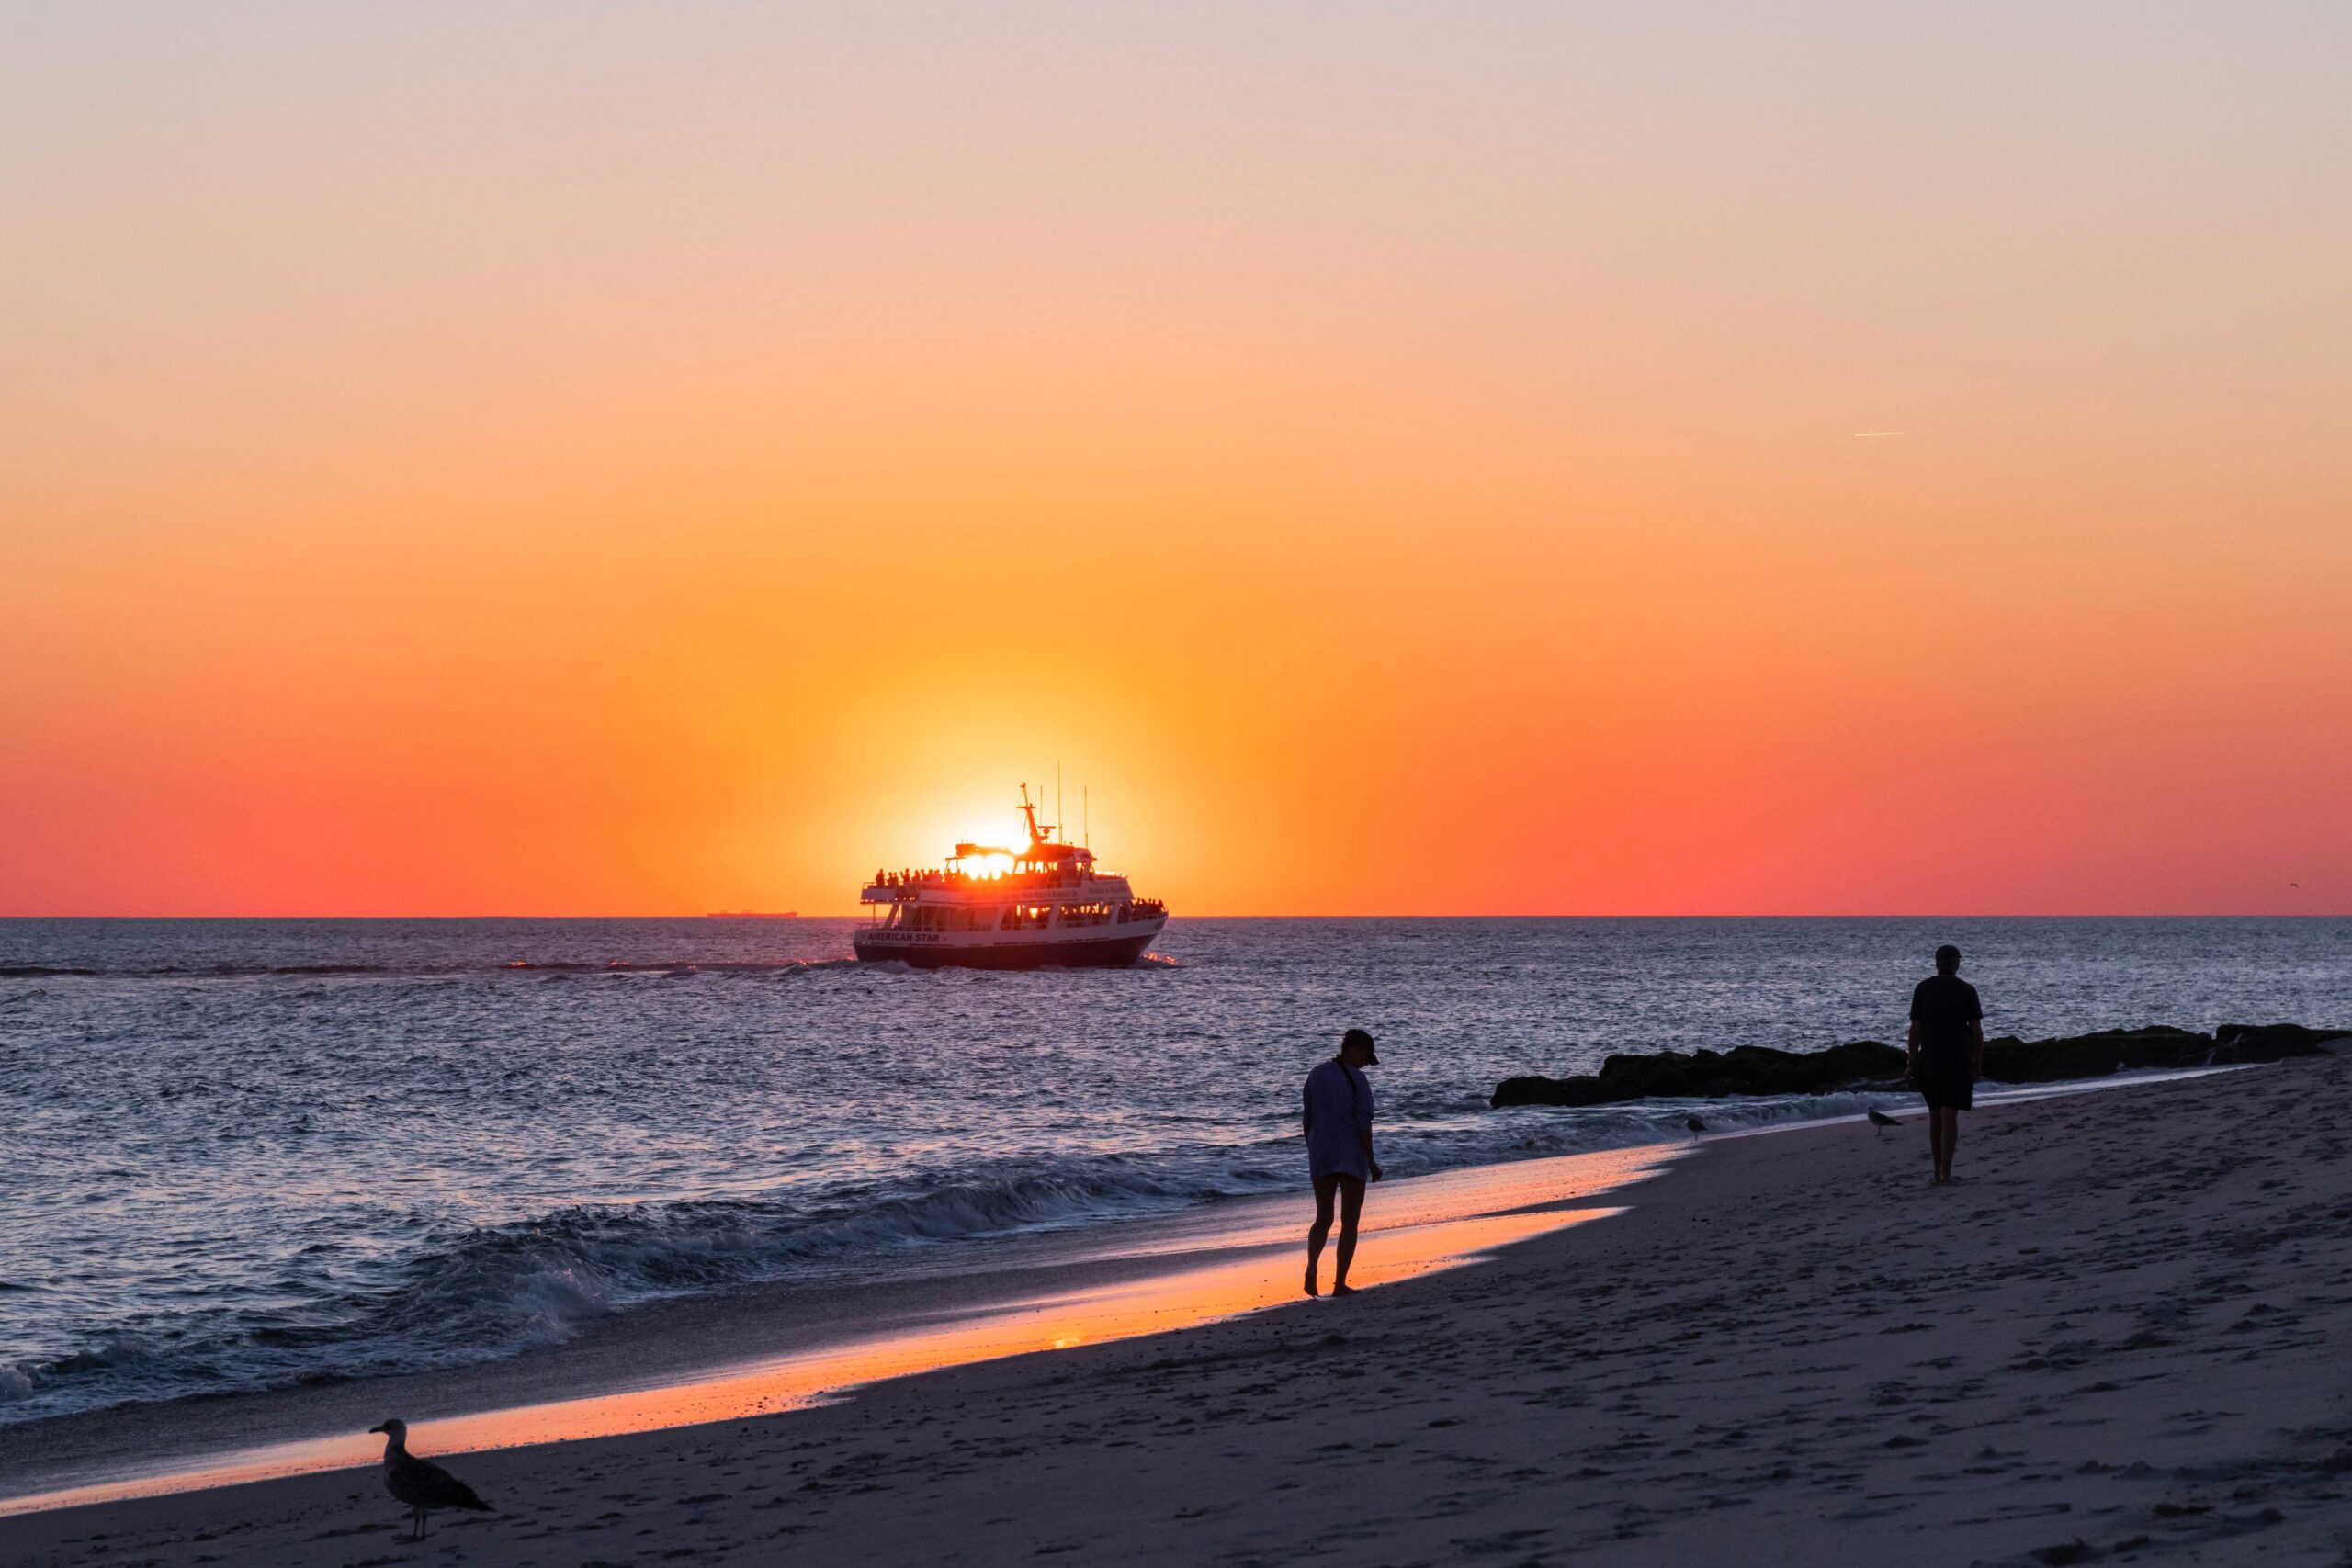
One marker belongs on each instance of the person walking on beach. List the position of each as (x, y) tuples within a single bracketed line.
[(1947, 1047), (1338, 1151)]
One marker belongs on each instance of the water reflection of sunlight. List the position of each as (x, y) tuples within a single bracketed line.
[(1417, 1228)]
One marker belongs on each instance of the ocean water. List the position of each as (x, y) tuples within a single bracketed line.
[(243, 1153)]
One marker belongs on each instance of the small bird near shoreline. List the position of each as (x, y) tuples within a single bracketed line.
[(1881, 1119), (420, 1484), (1694, 1123)]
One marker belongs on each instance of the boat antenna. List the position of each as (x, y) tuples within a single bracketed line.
[(1061, 834), (1086, 815)]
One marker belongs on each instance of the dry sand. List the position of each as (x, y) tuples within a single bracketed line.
[(2109, 1341)]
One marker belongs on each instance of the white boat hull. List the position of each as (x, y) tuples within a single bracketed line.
[(1109, 946)]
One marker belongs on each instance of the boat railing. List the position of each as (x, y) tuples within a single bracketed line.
[(1010, 883)]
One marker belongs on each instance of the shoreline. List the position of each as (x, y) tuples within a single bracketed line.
[(622, 1371), (788, 1346), (2115, 1330)]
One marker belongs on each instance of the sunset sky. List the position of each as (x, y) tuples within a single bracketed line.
[(1519, 459)]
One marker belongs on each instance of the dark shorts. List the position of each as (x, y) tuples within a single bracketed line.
[(1947, 1080)]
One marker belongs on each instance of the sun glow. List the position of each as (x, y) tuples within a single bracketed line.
[(1314, 439)]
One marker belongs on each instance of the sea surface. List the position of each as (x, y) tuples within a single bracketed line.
[(248, 1154)]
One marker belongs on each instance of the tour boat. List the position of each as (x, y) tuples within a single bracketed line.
[(1042, 907)]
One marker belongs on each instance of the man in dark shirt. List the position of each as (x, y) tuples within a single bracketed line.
[(1947, 1046)]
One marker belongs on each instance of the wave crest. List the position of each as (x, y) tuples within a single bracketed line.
[(477, 1293)]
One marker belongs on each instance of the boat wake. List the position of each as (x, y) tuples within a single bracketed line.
[(787, 967)]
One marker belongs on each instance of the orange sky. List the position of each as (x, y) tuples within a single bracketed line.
[(529, 460)]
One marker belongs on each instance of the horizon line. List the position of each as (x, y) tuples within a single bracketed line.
[(1306, 915)]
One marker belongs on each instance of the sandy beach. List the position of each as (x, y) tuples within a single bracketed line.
[(2110, 1340)]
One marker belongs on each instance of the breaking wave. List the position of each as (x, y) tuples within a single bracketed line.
[(466, 1295)]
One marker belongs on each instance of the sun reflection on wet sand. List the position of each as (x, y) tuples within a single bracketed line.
[(1413, 1228)]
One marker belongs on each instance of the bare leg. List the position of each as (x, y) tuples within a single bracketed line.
[(1350, 1210), (1325, 1186), (1952, 1137), (1936, 1138)]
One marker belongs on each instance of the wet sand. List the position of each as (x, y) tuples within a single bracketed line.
[(2112, 1340), (798, 1343)]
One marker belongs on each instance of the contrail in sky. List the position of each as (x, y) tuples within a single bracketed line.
[(1867, 435)]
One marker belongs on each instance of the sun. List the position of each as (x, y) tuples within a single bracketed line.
[(985, 862)]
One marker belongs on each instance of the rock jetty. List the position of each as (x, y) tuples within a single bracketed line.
[(1870, 1065)]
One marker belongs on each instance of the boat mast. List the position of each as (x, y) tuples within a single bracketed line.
[(1029, 811)]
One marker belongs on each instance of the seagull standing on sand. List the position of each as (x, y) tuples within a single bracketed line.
[(1882, 1121), (418, 1482)]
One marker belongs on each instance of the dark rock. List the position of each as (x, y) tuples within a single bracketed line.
[(2271, 1042), (1711, 1075), (1540, 1090), (1866, 1064), (2011, 1060)]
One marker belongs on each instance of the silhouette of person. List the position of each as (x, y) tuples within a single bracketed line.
[(1947, 1047), (1338, 1151)]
